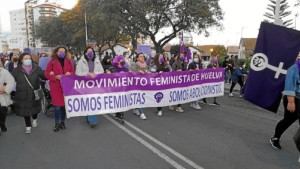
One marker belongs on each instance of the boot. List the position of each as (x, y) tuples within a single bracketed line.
[(62, 125), (56, 127)]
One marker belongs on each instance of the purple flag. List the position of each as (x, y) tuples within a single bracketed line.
[(181, 44), (188, 56), (276, 50)]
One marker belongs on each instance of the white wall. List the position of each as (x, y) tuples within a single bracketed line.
[(1, 49), (18, 26), (241, 49)]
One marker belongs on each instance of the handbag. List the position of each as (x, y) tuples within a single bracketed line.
[(37, 93)]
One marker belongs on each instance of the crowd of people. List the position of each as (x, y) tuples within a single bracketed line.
[(23, 79)]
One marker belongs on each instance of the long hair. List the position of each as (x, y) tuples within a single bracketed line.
[(156, 61), (86, 57), (214, 61), (55, 50)]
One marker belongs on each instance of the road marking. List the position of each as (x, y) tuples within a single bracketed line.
[(146, 144), (175, 153)]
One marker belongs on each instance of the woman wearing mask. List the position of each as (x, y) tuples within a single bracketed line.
[(195, 65), (174, 59), (179, 65), (89, 65), (143, 68), (27, 76), (13, 63), (58, 66), (7, 83), (237, 77), (161, 67), (106, 64), (118, 64), (214, 63)]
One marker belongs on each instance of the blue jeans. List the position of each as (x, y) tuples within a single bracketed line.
[(60, 114), (140, 110), (195, 102)]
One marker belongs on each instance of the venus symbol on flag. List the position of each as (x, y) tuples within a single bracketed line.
[(260, 61)]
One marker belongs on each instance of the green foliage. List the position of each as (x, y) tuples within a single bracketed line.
[(219, 50), (247, 61)]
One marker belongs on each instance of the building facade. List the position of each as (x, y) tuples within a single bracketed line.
[(1, 48), (18, 37), (35, 11)]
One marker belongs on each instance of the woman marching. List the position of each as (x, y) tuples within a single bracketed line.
[(143, 68), (7, 83), (161, 67), (195, 65), (237, 77), (179, 65), (58, 66), (118, 64), (89, 65), (27, 76)]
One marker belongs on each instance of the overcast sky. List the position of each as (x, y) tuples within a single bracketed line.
[(238, 14)]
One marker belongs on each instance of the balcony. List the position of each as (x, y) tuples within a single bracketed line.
[(48, 11)]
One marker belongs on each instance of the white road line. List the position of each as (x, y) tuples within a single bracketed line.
[(146, 144), (175, 153)]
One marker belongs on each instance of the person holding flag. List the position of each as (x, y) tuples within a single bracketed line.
[(290, 102)]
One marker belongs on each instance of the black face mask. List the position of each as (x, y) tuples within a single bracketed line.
[(15, 60)]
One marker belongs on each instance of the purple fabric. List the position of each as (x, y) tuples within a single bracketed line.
[(188, 56), (91, 65), (298, 64), (68, 82), (182, 44), (279, 44), (121, 69), (27, 69), (117, 59)]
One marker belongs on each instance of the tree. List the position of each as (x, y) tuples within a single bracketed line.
[(283, 13), (150, 17), (176, 48), (219, 50)]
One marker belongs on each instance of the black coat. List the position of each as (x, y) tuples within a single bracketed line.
[(193, 66), (25, 103)]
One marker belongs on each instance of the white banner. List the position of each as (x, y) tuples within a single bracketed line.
[(95, 104)]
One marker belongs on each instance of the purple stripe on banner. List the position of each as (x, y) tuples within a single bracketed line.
[(123, 82)]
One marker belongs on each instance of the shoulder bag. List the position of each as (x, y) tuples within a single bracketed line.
[(37, 93)]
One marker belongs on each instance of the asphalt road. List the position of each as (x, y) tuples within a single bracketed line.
[(235, 135)]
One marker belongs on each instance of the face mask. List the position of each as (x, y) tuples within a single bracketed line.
[(181, 58), (123, 63), (244, 66), (196, 60), (15, 60), (27, 62), (90, 54), (62, 55), (162, 60)]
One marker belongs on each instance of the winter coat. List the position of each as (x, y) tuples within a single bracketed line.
[(56, 89), (8, 80), (82, 68), (25, 103), (238, 73), (137, 68), (178, 66), (193, 66)]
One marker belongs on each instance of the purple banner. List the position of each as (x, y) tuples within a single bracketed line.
[(123, 82)]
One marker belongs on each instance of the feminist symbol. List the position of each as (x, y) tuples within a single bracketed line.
[(158, 97), (260, 61)]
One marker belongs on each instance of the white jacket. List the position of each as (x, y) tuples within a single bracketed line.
[(82, 68), (6, 77)]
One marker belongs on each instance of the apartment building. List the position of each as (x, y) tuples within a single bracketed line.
[(18, 36), (35, 11)]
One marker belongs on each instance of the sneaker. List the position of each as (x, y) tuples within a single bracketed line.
[(230, 94), (34, 123), (159, 113), (197, 107), (27, 130), (3, 128), (192, 105), (216, 104), (136, 112), (143, 117), (241, 96), (275, 142), (56, 127), (204, 101), (93, 125), (171, 108), (179, 109)]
